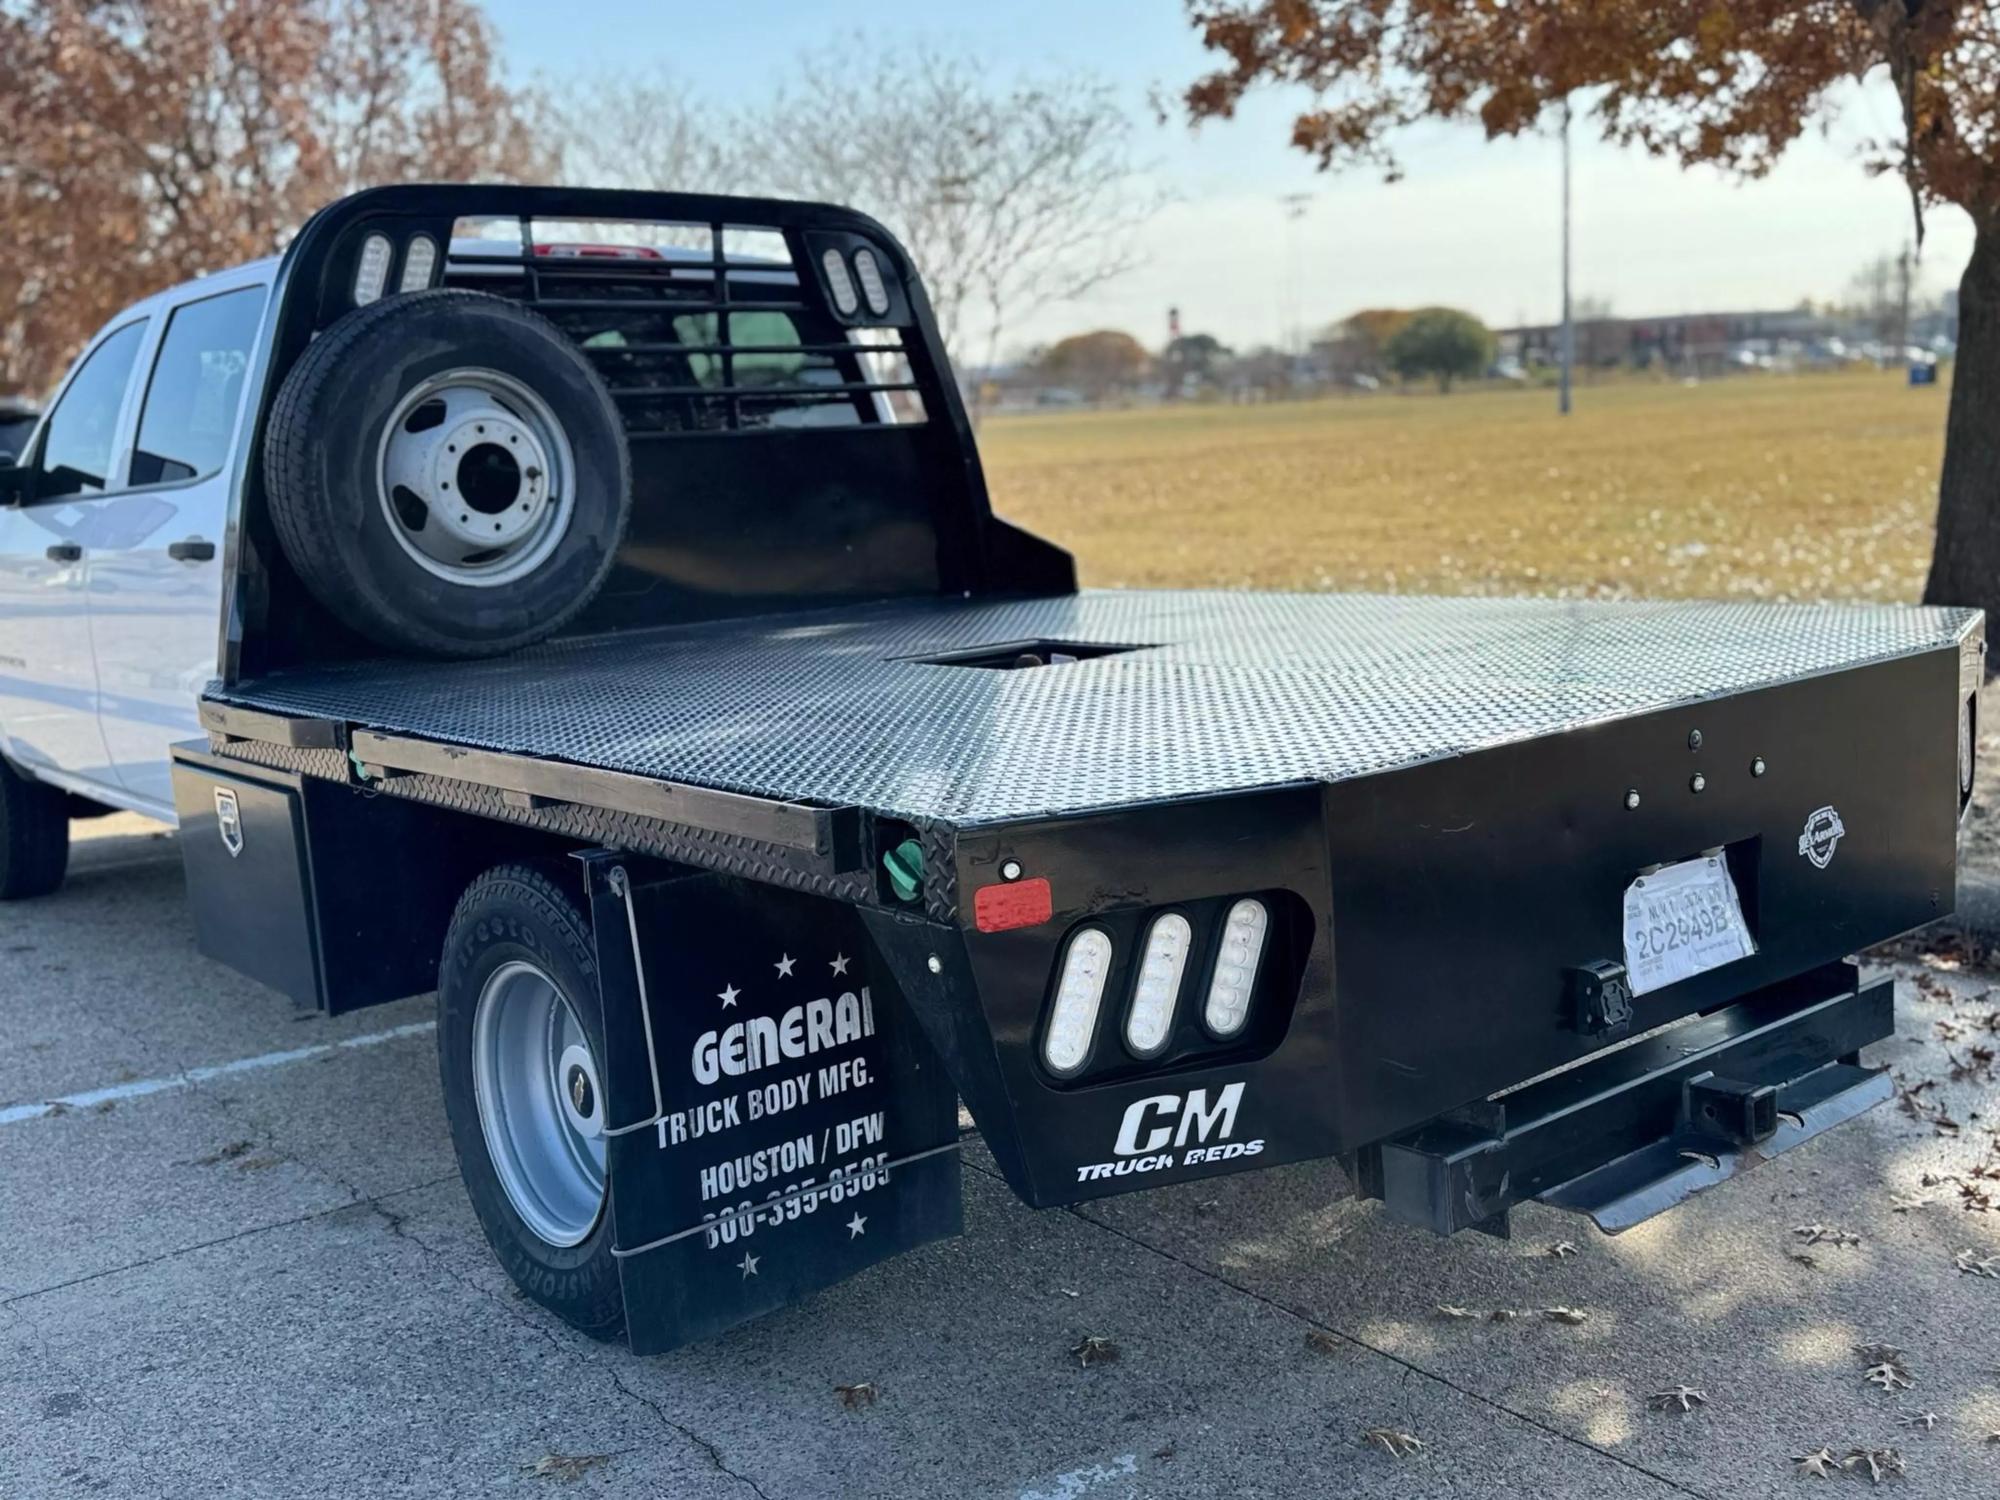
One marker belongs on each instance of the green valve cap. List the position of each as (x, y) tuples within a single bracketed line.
[(905, 864)]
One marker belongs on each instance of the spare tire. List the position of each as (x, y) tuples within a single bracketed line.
[(447, 473)]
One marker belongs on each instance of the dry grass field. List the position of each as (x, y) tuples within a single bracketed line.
[(1804, 487)]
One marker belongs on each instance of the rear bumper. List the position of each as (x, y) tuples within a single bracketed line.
[(1637, 1130)]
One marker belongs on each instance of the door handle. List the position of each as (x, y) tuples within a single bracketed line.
[(65, 552), (194, 549)]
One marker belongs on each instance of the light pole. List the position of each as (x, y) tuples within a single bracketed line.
[(1568, 324), (1294, 205)]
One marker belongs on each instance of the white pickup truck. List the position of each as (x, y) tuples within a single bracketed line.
[(111, 580), (617, 639)]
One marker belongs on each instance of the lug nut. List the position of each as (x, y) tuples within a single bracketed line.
[(1697, 782), (1757, 766), (1694, 739), (1631, 799), (1010, 870)]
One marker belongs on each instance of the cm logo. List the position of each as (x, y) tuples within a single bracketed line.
[(1154, 1123)]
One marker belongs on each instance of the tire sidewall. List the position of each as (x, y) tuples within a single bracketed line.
[(503, 920), (388, 591)]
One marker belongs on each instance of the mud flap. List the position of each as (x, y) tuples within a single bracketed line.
[(777, 1121)]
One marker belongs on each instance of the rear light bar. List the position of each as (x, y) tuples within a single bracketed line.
[(1241, 938), (1079, 995), (1150, 1021), (371, 274)]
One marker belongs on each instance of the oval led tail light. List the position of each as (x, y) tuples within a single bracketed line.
[(1079, 993), (1151, 1019), (418, 263), (840, 283), (873, 288), (1243, 933), (371, 276)]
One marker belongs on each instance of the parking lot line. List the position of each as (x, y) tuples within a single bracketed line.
[(191, 1077)]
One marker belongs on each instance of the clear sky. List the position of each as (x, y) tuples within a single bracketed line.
[(1474, 224)]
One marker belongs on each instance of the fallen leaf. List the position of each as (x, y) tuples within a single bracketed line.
[(1890, 1376), (1971, 1264), (226, 1153), (1927, 1420), (1825, 1234), (1879, 1354), (1903, 1203), (1562, 1250), (1684, 1397), (1446, 1310), (1095, 1351), (566, 1467), (1879, 1463), (1803, 1259), (1502, 1315), (860, 1394), (1392, 1441), (1569, 1315), (1321, 1342), (1821, 1465)]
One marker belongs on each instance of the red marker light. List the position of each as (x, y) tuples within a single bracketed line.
[(1014, 903)]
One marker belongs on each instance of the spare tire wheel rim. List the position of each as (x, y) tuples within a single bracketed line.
[(541, 1103), (476, 478)]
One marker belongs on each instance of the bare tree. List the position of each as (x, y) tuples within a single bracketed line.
[(638, 129), (1009, 196)]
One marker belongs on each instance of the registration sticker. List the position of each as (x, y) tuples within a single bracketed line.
[(1683, 920)]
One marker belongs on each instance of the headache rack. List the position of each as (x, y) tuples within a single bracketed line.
[(797, 435), (660, 320)]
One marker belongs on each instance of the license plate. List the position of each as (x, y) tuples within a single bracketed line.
[(1683, 920)]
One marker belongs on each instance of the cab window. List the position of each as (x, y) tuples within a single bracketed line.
[(196, 388), (75, 457)]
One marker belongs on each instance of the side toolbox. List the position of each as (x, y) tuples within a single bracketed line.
[(336, 896)]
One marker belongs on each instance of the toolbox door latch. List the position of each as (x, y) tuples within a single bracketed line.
[(1600, 997)]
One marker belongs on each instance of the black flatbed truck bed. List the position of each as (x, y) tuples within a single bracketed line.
[(1438, 805)]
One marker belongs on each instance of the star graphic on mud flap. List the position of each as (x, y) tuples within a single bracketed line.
[(784, 966), (728, 996), (840, 963), (857, 1226), (747, 1265)]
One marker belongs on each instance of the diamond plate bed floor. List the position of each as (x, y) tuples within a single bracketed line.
[(1232, 691)]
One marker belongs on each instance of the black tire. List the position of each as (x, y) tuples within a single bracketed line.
[(322, 474), (34, 836), (517, 913)]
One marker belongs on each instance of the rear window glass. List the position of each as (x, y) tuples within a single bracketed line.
[(196, 388)]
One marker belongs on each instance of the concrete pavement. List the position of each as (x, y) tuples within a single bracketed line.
[(267, 1282)]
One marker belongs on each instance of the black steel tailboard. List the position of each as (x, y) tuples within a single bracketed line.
[(1638, 1129)]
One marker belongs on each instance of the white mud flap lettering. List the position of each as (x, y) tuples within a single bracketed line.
[(777, 1122)]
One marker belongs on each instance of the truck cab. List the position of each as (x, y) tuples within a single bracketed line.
[(111, 531)]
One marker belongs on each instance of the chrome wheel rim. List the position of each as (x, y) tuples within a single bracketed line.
[(541, 1105), (476, 478)]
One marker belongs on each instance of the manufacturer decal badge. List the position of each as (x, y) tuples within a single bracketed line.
[(1823, 833), (1156, 1132), (229, 821)]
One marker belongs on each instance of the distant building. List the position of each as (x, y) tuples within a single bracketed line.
[(1696, 342)]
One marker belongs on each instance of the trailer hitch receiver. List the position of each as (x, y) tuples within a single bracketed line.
[(1732, 1113)]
